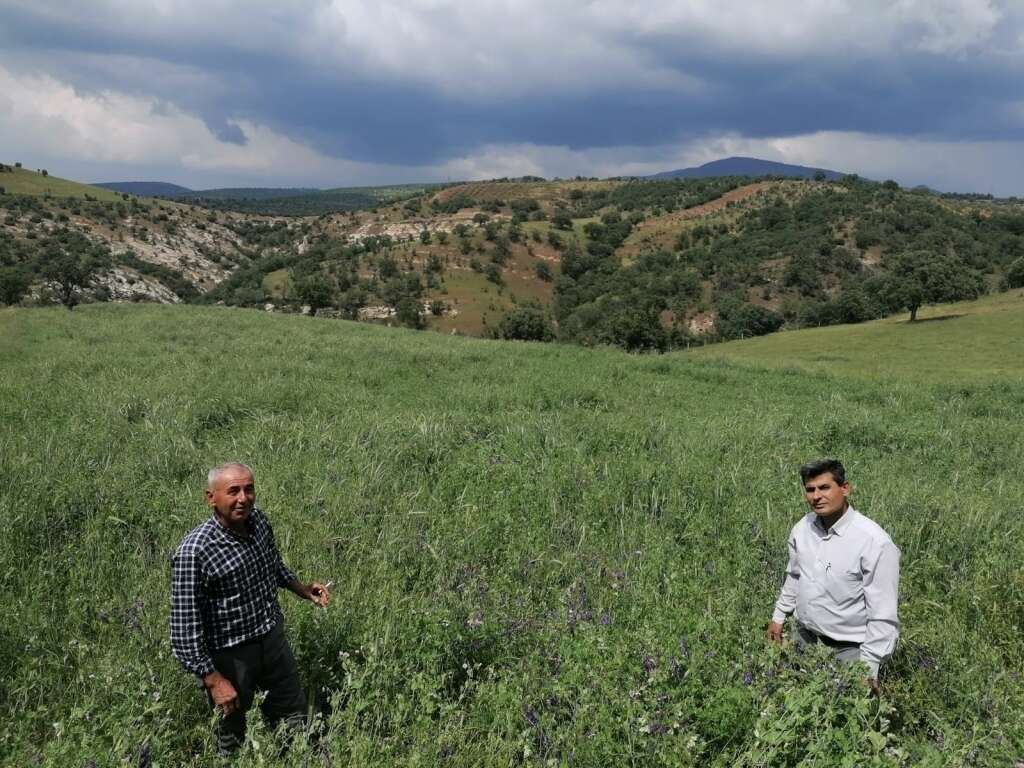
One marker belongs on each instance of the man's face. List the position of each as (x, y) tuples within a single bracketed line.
[(825, 496), (232, 496)]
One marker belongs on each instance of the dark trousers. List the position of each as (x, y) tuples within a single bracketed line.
[(845, 652), (265, 663)]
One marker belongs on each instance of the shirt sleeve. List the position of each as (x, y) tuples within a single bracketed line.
[(282, 573), (786, 603), (187, 641), (881, 579)]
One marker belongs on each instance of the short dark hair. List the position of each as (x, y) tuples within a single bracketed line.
[(820, 467)]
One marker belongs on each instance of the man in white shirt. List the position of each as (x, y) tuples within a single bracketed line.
[(843, 575)]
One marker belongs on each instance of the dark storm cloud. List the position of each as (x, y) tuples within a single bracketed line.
[(355, 98)]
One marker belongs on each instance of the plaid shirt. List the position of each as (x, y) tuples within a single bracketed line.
[(223, 589)]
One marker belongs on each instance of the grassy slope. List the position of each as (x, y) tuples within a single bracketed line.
[(539, 550), (969, 341), (25, 182)]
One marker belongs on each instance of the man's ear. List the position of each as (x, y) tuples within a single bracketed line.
[(846, 488), (209, 497)]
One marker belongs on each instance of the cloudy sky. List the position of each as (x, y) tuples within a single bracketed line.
[(342, 92)]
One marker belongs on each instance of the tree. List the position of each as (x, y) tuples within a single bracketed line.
[(924, 277), (493, 273), (314, 291), (71, 272), (526, 323), (543, 271), (14, 284), (1014, 277), (409, 314), (737, 320), (635, 328), (562, 219), (350, 302), (502, 250)]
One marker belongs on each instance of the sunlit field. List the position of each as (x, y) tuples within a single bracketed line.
[(543, 555), (978, 341)]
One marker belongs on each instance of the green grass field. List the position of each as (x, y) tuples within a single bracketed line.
[(544, 555), (25, 182), (974, 341)]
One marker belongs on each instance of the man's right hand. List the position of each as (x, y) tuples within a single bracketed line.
[(775, 632), (222, 692)]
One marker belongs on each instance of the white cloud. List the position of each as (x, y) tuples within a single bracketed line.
[(44, 117)]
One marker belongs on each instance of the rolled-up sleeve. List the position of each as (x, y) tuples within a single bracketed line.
[(786, 603), (881, 577), (187, 641)]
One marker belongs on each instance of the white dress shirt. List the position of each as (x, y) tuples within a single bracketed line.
[(843, 583)]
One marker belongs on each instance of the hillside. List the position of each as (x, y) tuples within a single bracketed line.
[(646, 265), (21, 181), (147, 188), (749, 166), (975, 341), (275, 201), (542, 554)]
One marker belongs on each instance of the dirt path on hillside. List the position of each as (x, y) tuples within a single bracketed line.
[(662, 231), (732, 196)]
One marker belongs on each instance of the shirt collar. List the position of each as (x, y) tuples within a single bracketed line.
[(250, 525), (840, 526)]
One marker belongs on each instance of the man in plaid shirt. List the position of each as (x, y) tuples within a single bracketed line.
[(226, 625)]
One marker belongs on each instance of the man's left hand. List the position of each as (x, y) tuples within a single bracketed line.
[(318, 593)]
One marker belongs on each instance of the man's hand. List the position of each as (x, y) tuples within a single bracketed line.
[(872, 683), (319, 593), (775, 633), (222, 692)]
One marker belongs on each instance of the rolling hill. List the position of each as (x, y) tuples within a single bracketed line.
[(642, 264), (748, 166), (21, 181), (147, 188), (972, 341)]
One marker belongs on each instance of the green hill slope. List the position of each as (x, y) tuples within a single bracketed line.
[(543, 554), (979, 340), (20, 181)]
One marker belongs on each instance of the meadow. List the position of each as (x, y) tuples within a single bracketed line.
[(21, 181), (543, 555)]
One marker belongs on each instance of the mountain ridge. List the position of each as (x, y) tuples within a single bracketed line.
[(748, 166)]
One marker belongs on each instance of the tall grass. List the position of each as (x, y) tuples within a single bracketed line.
[(543, 555)]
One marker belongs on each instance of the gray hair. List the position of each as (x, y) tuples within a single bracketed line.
[(214, 474)]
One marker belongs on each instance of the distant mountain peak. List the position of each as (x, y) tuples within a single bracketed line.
[(747, 166), (146, 188)]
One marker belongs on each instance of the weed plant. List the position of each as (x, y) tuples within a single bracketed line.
[(543, 555)]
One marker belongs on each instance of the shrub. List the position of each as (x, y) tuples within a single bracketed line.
[(526, 323)]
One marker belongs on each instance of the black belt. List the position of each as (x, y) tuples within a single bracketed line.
[(831, 642)]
